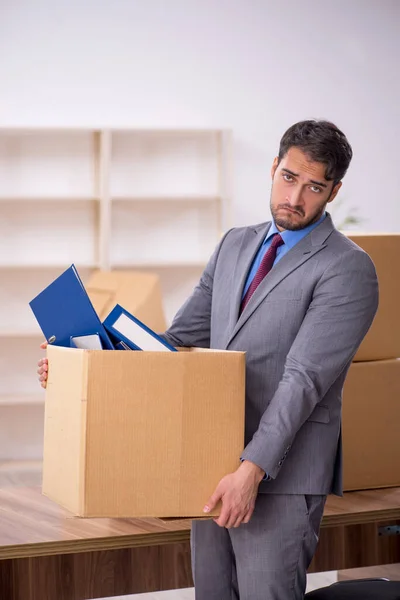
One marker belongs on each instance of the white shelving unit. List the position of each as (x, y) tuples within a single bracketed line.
[(155, 200)]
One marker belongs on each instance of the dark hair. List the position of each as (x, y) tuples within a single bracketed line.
[(323, 142)]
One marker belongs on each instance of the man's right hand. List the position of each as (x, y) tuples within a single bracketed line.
[(43, 369)]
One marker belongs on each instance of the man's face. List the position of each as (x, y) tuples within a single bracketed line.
[(300, 191)]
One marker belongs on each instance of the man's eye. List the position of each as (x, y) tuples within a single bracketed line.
[(315, 189), (287, 177)]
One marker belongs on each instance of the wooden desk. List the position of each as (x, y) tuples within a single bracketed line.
[(46, 554)]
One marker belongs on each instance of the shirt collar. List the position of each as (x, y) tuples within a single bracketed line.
[(291, 238)]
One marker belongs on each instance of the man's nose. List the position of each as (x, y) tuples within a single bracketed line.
[(294, 196)]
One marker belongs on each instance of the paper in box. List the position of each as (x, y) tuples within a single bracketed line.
[(137, 434)]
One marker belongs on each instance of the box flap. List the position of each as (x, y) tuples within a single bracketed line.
[(103, 301), (138, 292)]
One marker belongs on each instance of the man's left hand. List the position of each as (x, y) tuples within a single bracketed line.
[(238, 492)]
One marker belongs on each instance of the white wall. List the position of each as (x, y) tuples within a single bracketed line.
[(256, 66)]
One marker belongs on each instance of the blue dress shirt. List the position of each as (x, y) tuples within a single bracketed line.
[(290, 238)]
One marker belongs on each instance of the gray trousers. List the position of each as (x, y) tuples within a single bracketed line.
[(265, 559)]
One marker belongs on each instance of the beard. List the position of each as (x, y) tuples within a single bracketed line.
[(296, 220)]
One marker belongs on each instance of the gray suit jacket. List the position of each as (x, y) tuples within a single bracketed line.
[(300, 331)]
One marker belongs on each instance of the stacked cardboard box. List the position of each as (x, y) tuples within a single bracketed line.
[(371, 398)]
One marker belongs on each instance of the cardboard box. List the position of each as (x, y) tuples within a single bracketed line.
[(137, 434), (371, 425), (139, 293), (382, 342)]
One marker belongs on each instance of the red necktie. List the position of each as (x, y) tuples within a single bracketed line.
[(264, 268)]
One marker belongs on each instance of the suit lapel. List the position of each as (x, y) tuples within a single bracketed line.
[(252, 239), (299, 254)]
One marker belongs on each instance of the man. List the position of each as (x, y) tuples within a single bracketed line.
[(298, 297)]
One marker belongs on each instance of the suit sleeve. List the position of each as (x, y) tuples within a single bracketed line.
[(191, 326), (342, 310)]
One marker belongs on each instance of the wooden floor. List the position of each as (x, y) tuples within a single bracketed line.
[(32, 525), (47, 554)]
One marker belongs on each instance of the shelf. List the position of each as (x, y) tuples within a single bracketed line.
[(66, 265), (47, 198), (65, 130), (20, 466), (167, 130), (150, 199), (22, 400), (46, 129), (189, 198), (161, 264)]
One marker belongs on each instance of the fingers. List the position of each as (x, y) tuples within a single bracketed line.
[(232, 518), (237, 518), (213, 500), (229, 518), (249, 513), (223, 517), (236, 505), (238, 522), (43, 345), (43, 368)]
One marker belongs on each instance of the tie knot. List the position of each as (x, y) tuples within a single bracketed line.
[(277, 241)]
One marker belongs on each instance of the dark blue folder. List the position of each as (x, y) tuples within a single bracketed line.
[(64, 309)]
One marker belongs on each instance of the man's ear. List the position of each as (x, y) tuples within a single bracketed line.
[(274, 166), (335, 191)]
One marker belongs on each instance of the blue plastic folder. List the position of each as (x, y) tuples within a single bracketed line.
[(124, 327), (64, 310)]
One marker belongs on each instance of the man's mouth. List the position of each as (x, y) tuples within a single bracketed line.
[(294, 212)]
